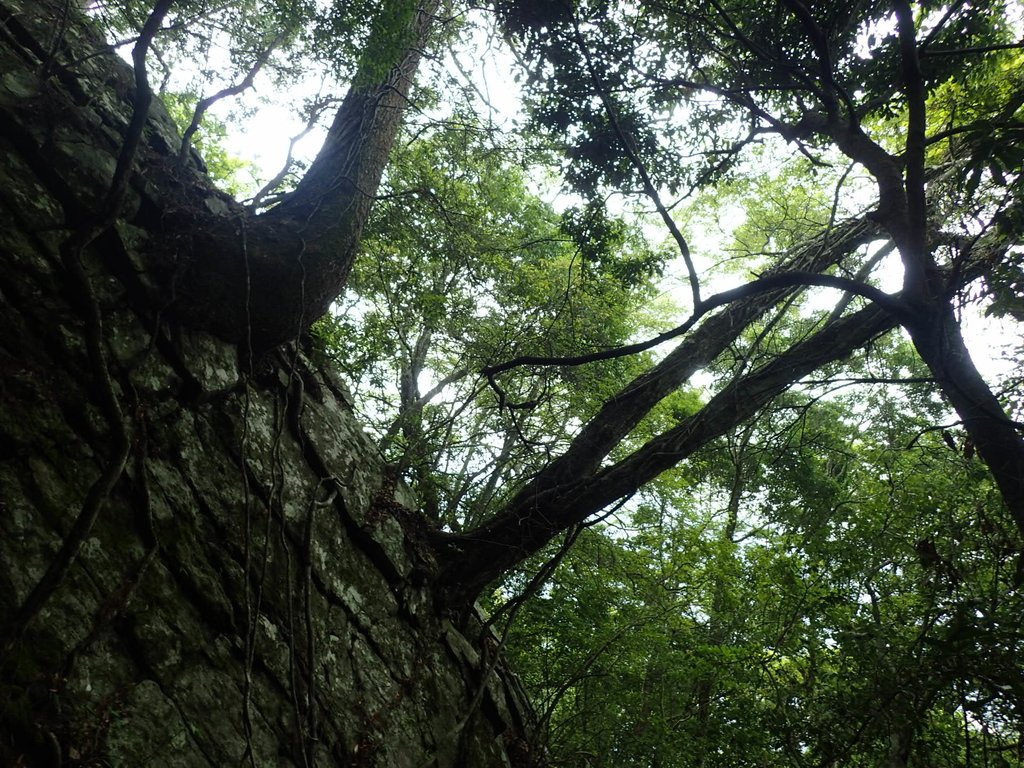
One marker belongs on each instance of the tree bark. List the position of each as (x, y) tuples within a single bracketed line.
[(256, 280), (249, 591)]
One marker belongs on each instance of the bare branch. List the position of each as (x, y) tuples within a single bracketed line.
[(232, 90), (891, 304)]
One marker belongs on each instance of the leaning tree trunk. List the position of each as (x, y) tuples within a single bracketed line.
[(261, 280), (202, 560)]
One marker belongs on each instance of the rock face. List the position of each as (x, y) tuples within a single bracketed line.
[(251, 592)]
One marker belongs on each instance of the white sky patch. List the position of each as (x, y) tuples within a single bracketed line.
[(260, 121), (993, 343), (489, 70), (263, 138)]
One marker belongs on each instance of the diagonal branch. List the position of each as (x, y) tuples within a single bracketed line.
[(472, 560), (621, 413), (889, 303)]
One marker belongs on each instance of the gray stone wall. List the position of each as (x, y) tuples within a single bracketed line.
[(251, 592)]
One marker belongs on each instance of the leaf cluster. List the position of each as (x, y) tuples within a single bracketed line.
[(824, 584), (464, 267)]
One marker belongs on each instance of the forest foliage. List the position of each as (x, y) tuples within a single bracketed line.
[(794, 539)]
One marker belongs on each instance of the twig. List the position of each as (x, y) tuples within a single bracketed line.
[(891, 304), (316, 112), (648, 184), (232, 90)]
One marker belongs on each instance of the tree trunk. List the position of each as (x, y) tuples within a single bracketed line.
[(940, 343), (243, 588)]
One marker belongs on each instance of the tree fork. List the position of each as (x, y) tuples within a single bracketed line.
[(283, 268), (212, 263)]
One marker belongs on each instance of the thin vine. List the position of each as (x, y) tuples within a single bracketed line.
[(72, 251)]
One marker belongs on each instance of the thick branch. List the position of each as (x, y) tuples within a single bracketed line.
[(939, 340), (533, 519), (626, 409), (819, 40), (916, 259), (287, 265)]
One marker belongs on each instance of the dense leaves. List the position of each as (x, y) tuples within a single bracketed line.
[(464, 267), (827, 589)]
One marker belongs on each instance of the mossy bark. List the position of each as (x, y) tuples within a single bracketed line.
[(251, 591)]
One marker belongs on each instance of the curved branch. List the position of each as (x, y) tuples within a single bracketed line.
[(891, 304), (300, 251), (232, 90)]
